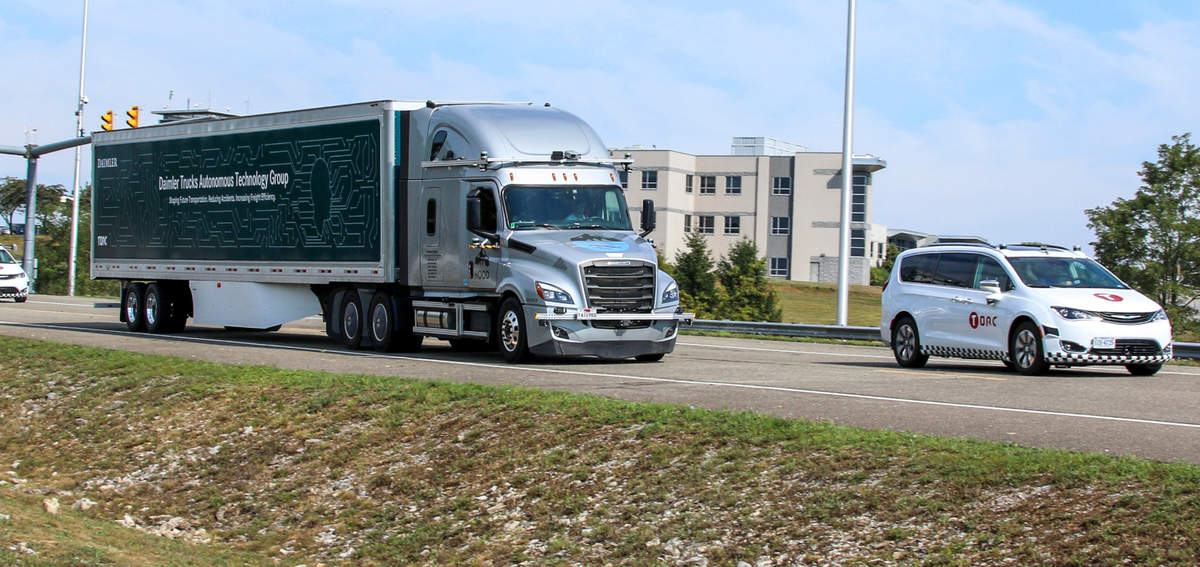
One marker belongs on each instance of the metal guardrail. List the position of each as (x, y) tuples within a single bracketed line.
[(1182, 350)]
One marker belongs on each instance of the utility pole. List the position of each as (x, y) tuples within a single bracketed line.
[(843, 296), (74, 249)]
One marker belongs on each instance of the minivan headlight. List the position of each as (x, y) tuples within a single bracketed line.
[(553, 293), (671, 294), (1075, 314), (1160, 315)]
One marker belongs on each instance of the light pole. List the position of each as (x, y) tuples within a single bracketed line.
[(74, 248), (843, 296)]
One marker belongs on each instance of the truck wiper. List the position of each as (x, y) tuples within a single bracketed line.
[(549, 226), (588, 226)]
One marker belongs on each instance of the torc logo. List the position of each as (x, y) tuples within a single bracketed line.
[(1109, 296), (978, 320)]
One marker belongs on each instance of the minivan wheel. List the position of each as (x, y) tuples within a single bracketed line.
[(906, 344), (1025, 350), (1143, 369)]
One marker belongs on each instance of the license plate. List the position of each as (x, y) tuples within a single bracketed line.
[(587, 314), (1104, 342)]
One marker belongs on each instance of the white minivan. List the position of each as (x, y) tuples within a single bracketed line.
[(13, 281), (1029, 306)]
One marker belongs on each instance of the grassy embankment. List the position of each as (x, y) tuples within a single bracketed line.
[(304, 467)]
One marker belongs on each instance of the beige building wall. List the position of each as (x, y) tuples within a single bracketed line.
[(812, 208)]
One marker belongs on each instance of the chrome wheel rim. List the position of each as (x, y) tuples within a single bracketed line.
[(350, 321), (1026, 348), (379, 323), (510, 331), (906, 342), (151, 309), (131, 308)]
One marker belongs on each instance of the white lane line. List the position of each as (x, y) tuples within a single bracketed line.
[(731, 385)]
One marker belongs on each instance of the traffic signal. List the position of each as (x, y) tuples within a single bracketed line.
[(106, 121), (133, 114)]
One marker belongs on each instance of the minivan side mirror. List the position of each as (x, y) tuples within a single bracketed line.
[(648, 220), (992, 287)]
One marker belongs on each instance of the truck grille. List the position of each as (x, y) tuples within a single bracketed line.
[(620, 286), (1131, 347)]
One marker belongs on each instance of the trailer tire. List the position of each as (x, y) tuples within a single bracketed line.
[(511, 332), (156, 308), (381, 322), (131, 305), (352, 319)]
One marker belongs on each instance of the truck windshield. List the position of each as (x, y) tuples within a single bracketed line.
[(6, 258), (594, 207), (1064, 272)]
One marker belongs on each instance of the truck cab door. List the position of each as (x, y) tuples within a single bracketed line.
[(482, 257)]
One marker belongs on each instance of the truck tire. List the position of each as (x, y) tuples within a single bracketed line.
[(156, 308), (381, 322), (511, 331), (352, 319), (131, 303), (1025, 350)]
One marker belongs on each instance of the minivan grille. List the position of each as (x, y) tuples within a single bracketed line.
[(1131, 347), (620, 286), (1128, 318)]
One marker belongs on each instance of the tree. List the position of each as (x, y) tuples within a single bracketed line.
[(1152, 241), (880, 275), (694, 274), (12, 200), (54, 248), (743, 277)]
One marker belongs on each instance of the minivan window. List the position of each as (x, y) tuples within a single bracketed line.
[(956, 269), (990, 269), (918, 268), (1042, 271)]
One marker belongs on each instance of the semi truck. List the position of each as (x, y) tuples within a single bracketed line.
[(490, 225)]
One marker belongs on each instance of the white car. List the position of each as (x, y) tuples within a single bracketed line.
[(13, 281), (1029, 306)]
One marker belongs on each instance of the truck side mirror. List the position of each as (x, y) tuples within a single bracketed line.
[(475, 218), (647, 217)]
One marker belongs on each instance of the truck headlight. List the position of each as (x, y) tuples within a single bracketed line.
[(671, 294), (552, 293), (1075, 314)]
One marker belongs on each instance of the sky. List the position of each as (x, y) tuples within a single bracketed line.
[(1001, 119)]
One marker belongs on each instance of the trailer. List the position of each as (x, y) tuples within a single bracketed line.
[(490, 225)]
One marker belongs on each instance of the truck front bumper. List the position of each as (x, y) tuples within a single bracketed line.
[(604, 335)]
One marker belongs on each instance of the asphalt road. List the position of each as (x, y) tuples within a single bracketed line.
[(1087, 409)]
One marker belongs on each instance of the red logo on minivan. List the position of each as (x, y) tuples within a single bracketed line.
[(1109, 296), (976, 320)]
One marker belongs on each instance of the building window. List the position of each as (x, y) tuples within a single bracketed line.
[(778, 268), (688, 184), (708, 184), (858, 199), (781, 226), (733, 185), (733, 225), (781, 186), (624, 175), (704, 224), (649, 180), (687, 223), (858, 242)]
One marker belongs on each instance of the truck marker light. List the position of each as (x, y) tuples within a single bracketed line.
[(554, 176), (612, 177), (510, 177), (576, 176)]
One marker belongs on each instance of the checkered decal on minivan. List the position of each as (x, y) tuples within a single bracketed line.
[(1081, 358), (956, 352)]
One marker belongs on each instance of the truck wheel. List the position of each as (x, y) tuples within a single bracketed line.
[(510, 328), (906, 344), (156, 308), (134, 319), (352, 319), (382, 322), (1143, 369), (1025, 350)]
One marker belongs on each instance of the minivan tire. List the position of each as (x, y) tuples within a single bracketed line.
[(1143, 369), (1026, 351), (906, 344)]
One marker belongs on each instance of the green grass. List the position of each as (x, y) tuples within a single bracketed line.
[(308, 467), (816, 304)]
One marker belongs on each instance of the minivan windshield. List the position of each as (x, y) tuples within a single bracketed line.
[(6, 258), (1037, 271), (594, 207)]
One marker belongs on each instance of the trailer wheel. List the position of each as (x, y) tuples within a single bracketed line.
[(156, 308), (352, 319), (511, 330), (132, 305), (181, 307)]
